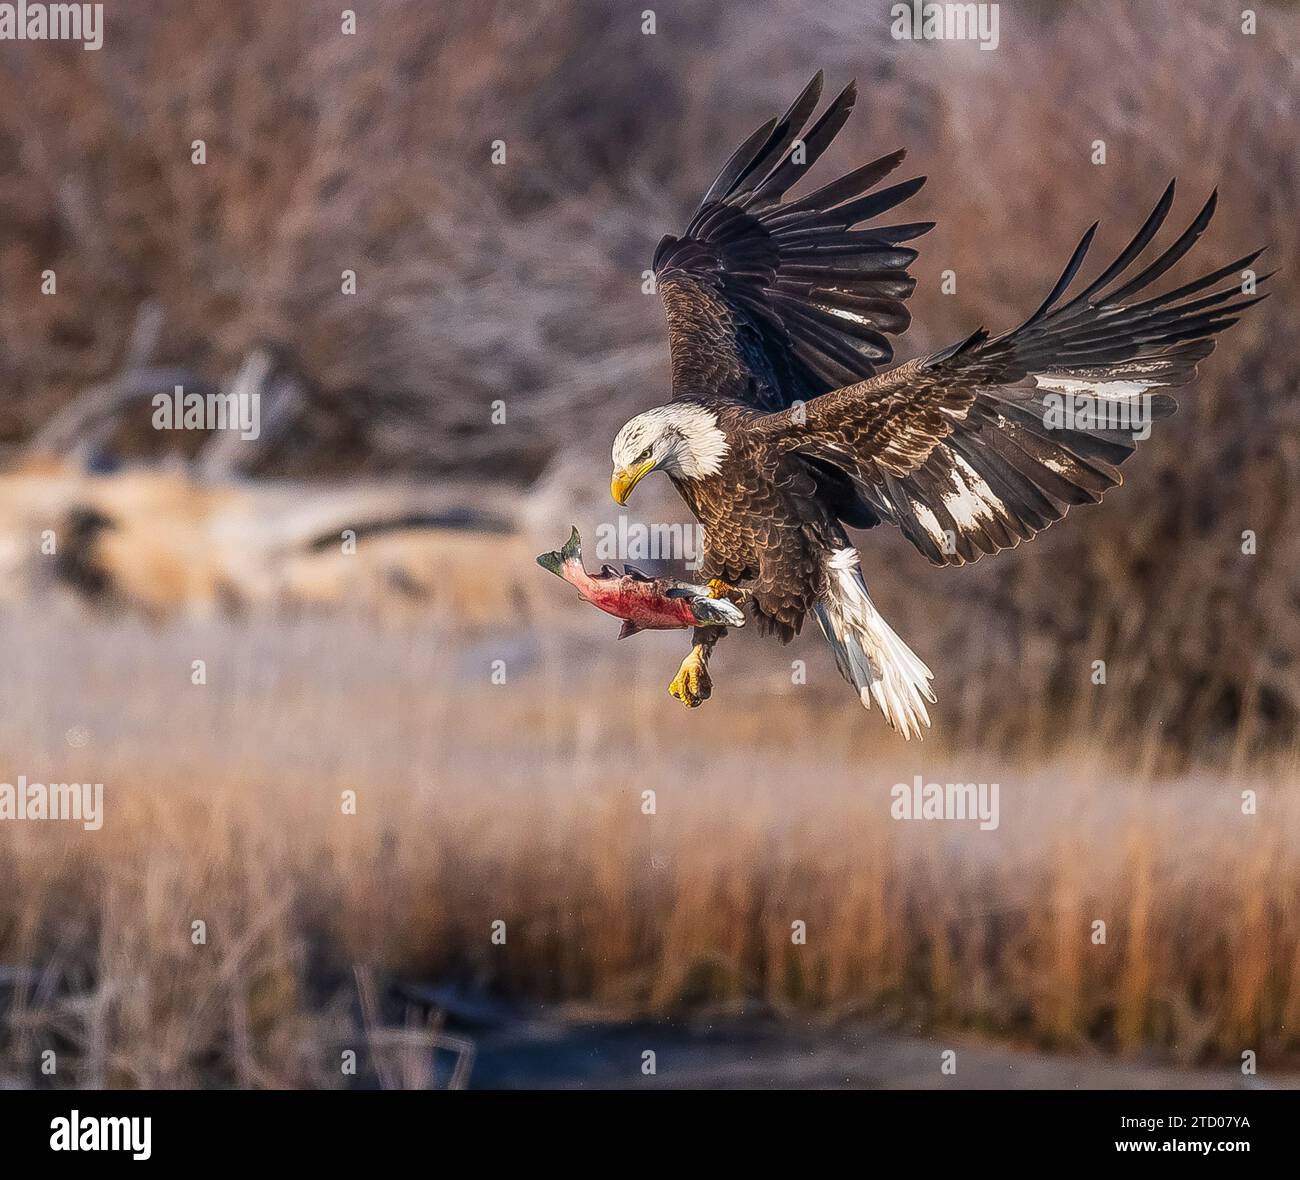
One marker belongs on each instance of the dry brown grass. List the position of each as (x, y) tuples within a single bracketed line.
[(522, 802)]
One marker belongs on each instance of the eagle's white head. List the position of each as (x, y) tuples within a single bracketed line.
[(682, 438)]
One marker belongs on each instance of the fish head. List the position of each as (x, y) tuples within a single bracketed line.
[(717, 612)]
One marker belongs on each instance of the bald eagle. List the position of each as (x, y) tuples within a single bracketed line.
[(782, 433)]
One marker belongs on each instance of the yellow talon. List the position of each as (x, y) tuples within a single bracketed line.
[(720, 589), (692, 685)]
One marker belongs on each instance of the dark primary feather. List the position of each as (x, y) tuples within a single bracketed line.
[(962, 449), (771, 303)]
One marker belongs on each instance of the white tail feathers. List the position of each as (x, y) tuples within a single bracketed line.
[(870, 656)]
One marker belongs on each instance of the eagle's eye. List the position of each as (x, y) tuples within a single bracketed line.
[(642, 457)]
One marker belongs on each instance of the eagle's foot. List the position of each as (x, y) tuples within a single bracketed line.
[(692, 684), (720, 589)]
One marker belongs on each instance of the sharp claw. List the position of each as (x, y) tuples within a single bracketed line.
[(720, 589), (692, 685)]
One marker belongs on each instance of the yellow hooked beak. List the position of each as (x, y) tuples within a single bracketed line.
[(624, 480)]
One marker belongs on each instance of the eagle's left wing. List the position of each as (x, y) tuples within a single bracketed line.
[(982, 445), (772, 301)]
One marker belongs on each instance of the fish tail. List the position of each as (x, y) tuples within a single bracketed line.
[(557, 559)]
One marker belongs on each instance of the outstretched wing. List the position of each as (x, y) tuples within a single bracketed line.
[(771, 302), (978, 447)]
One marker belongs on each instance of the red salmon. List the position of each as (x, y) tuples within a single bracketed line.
[(642, 602)]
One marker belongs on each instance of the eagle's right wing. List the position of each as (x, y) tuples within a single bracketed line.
[(980, 446), (772, 301)]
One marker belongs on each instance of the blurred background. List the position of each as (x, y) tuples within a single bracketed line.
[(345, 721)]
